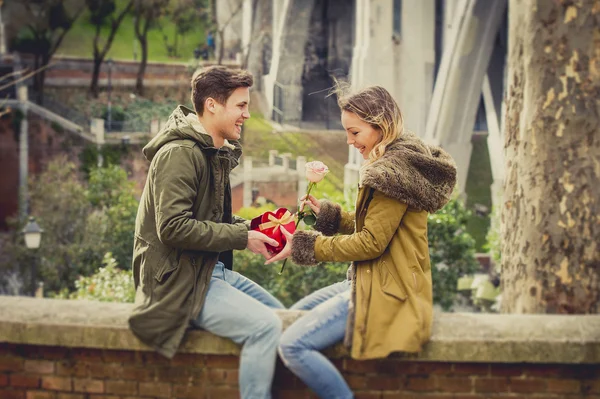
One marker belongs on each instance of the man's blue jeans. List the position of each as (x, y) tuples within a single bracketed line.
[(239, 309), (323, 326)]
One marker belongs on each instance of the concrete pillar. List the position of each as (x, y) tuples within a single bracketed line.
[(97, 129), (286, 161), (247, 181), (272, 155), (301, 170), (460, 78), (413, 86)]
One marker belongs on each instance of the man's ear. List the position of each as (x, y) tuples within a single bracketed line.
[(210, 105)]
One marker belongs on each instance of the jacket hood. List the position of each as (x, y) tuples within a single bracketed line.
[(184, 125), (413, 172)]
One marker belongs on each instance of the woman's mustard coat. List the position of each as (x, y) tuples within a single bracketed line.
[(386, 239)]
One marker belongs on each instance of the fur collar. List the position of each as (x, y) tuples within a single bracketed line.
[(413, 172)]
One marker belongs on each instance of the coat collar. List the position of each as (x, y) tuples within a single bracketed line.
[(413, 172)]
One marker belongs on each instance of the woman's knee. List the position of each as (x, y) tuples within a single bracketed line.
[(270, 325)]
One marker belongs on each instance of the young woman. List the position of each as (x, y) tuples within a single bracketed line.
[(385, 305)]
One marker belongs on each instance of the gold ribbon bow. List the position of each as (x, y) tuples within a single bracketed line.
[(286, 218)]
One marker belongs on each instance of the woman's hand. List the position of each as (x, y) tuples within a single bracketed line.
[(286, 251), (314, 203)]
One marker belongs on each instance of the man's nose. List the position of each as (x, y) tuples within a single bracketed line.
[(246, 114)]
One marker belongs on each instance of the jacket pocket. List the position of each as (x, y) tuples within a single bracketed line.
[(389, 286), (165, 267)]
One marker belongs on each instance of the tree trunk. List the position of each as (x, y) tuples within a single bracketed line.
[(550, 217), (95, 76), (139, 84)]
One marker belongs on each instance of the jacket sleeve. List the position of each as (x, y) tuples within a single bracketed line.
[(332, 219), (381, 222), (236, 219), (176, 184)]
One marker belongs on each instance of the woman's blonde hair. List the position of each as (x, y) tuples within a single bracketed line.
[(375, 106)]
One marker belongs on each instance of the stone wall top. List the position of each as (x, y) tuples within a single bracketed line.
[(457, 337)]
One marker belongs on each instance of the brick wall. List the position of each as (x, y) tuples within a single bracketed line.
[(44, 372)]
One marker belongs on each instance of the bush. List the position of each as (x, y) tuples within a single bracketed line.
[(82, 222), (108, 284), (452, 251)]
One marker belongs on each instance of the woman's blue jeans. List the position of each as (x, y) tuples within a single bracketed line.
[(323, 326)]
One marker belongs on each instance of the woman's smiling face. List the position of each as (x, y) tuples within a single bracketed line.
[(359, 133)]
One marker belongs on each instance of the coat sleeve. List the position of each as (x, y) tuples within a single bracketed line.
[(381, 222), (332, 219), (176, 184)]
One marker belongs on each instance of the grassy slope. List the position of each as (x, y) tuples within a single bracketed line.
[(79, 41), (258, 138)]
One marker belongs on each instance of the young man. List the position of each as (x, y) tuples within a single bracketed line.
[(185, 234)]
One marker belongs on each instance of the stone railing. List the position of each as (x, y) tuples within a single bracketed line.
[(80, 349)]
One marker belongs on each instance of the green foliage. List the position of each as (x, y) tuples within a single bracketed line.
[(478, 191), (452, 251), (111, 155), (296, 281), (108, 284), (111, 193), (81, 221)]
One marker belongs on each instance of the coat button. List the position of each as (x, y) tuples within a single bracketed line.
[(368, 271)]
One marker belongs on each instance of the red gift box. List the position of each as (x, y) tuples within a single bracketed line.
[(271, 223)]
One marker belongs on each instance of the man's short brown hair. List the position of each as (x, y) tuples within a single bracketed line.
[(217, 82)]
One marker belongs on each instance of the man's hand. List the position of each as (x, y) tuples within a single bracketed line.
[(287, 250), (257, 241)]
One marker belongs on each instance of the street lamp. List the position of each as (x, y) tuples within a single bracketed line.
[(33, 238), (109, 62)]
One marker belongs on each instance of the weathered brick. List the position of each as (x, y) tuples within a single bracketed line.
[(454, 384), (369, 395), (564, 386), (115, 356), (498, 384), (138, 373), (224, 393), (12, 364), (25, 380), (386, 383), (181, 375), (290, 394), (40, 395), (471, 369), (3, 380), (57, 383), (356, 381), (527, 385), (188, 359), (155, 389), (72, 369), (426, 369), (104, 370), (87, 355), (12, 393), (39, 366), (121, 387), (506, 370), (51, 352), (421, 384), (189, 391), (225, 362), (360, 366), (88, 385), (62, 395)]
